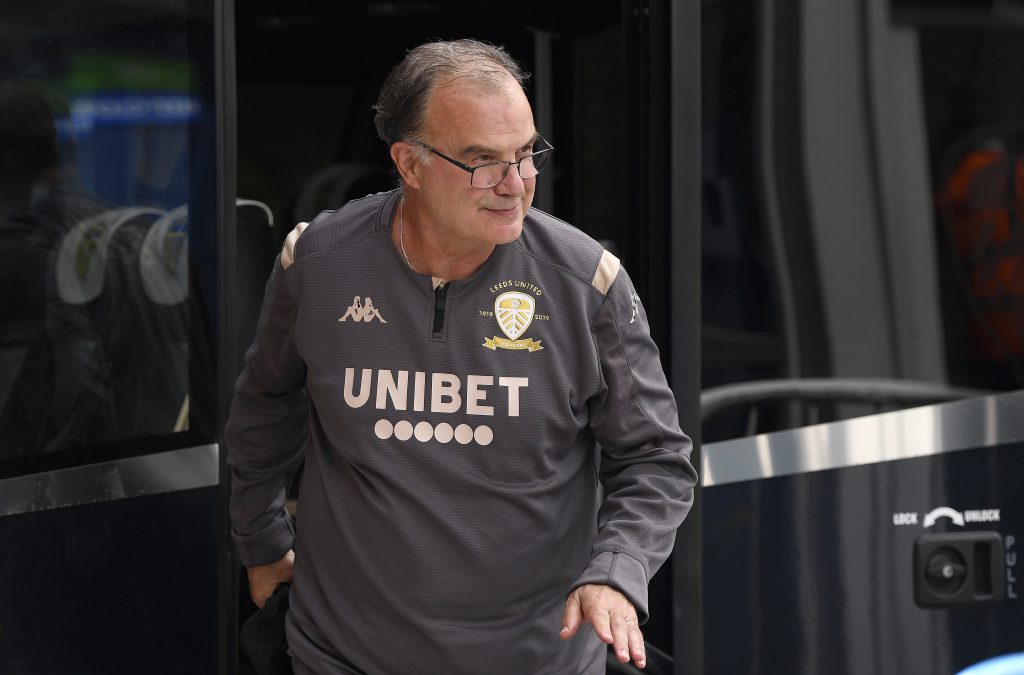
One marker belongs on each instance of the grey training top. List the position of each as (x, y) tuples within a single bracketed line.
[(450, 498)]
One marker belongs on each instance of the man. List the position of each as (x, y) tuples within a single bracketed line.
[(449, 517), (60, 392)]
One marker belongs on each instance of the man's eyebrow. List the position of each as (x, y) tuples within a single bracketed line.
[(476, 150), (483, 150)]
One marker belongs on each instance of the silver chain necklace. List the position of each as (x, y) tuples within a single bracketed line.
[(401, 242), (401, 232)]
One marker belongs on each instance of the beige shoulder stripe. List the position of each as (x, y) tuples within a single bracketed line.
[(288, 253), (606, 272)]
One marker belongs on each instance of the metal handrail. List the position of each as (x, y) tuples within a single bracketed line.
[(878, 391)]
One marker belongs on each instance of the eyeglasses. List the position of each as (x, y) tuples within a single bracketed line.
[(488, 175)]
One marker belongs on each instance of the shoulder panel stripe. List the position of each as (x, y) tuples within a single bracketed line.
[(288, 253), (606, 272)]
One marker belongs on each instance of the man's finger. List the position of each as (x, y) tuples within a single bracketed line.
[(263, 579), (262, 594), (620, 638), (636, 645), (600, 619), (571, 617)]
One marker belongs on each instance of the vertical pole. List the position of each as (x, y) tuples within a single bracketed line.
[(226, 317), (685, 317)]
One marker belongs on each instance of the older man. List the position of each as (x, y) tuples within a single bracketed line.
[(453, 515)]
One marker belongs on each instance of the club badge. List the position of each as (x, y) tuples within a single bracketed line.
[(514, 312)]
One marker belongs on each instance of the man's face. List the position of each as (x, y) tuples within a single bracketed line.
[(476, 128)]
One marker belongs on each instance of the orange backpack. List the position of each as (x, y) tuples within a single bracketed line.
[(982, 204)]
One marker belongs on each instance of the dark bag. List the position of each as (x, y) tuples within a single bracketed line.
[(263, 639)]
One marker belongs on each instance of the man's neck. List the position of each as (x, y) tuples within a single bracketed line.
[(429, 254)]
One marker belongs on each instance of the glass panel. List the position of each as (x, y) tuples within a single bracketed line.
[(741, 335), (975, 124), (105, 130), (863, 208)]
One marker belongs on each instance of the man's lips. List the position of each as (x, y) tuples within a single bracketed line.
[(508, 212)]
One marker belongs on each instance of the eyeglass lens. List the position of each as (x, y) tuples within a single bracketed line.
[(492, 174)]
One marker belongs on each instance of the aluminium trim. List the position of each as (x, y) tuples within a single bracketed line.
[(172, 471), (983, 421)]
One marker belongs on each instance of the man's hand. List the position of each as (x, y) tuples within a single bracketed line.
[(263, 579), (612, 616)]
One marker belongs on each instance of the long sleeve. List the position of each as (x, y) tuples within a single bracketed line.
[(645, 469), (267, 429)]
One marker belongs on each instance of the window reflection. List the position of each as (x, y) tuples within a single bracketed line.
[(95, 187), (39, 210), (863, 208)]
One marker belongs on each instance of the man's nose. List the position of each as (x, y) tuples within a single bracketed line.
[(512, 183)]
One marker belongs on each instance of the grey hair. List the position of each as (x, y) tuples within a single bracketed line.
[(402, 105)]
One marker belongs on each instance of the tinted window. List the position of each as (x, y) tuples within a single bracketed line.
[(863, 207), (105, 223)]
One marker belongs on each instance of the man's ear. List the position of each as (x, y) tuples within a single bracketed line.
[(407, 162)]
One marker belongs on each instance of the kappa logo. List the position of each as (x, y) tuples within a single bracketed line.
[(362, 310), (514, 312), (635, 299)]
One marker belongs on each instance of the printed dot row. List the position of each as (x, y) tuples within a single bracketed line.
[(442, 433)]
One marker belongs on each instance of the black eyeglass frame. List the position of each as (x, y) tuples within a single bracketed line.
[(472, 169)]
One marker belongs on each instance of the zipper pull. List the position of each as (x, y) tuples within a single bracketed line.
[(439, 296)]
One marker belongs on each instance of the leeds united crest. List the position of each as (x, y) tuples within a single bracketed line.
[(514, 312)]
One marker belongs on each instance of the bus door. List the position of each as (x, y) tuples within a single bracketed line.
[(110, 489)]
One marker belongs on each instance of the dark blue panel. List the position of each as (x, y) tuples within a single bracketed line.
[(121, 587), (809, 573)]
